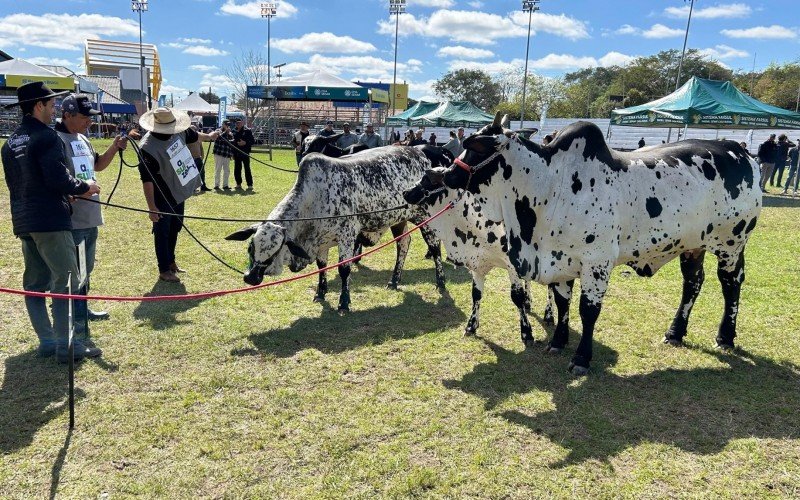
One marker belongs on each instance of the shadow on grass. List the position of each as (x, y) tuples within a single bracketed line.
[(34, 392), (774, 200), (604, 414), (55, 472), (163, 314), (366, 275), (332, 332)]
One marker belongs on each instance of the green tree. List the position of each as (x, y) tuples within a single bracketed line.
[(209, 97), (469, 85)]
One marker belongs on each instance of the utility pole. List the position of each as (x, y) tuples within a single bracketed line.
[(396, 7), (683, 54), (529, 6), (269, 10), (141, 6)]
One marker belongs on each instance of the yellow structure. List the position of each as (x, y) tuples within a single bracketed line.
[(106, 58), (400, 92)]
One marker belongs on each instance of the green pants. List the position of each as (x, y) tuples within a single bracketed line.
[(49, 259)]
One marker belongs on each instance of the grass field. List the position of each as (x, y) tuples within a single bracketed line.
[(267, 394)]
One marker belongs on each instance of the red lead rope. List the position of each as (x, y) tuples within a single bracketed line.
[(207, 295)]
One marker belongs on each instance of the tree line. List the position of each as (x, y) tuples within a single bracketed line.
[(594, 92)]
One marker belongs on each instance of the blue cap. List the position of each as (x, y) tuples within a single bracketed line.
[(75, 103)]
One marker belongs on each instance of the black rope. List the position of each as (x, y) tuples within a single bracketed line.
[(256, 159), (222, 219)]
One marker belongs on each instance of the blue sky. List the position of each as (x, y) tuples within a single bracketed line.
[(355, 39)]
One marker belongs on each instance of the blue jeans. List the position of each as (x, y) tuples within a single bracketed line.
[(165, 234), (87, 236), (793, 173), (49, 259)]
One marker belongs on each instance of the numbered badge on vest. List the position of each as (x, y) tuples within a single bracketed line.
[(182, 162), (84, 167)]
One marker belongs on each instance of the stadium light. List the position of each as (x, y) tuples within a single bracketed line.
[(680, 63), (269, 10), (529, 6), (396, 7), (141, 6), (278, 69)]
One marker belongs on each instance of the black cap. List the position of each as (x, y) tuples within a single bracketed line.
[(34, 91), (75, 103)]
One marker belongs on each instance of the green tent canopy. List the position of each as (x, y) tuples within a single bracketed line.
[(442, 114), (702, 103)]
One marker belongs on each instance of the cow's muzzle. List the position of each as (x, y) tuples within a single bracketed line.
[(254, 276)]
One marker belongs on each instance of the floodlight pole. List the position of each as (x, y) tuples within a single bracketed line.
[(139, 6), (680, 63), (396, 7), (269, 10), (529, 6)]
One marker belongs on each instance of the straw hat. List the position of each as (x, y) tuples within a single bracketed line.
[(165, 121)]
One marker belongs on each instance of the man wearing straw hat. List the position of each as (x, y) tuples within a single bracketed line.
[(40, 187), (169, 177)]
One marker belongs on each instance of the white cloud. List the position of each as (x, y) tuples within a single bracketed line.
[(491, 67), (627, 29), (615, 59), (200, 41), (365, 67), (174, 45), (420, 88), (322, 42), (661, 31), (476, 4), (64, 31), (204, 51), (175, 90), (253, 9), (461, 26), (220, 84), (559, 25), (718, 11), (563, 62), (773, 32), (202, 67), (442, 4), (723, 52), (464, 52), (50, 61)]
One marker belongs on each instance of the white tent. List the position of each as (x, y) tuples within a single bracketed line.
[(196, 104), (316, 78)]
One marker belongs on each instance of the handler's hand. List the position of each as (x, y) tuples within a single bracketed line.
[(241, 143), (120, 142), (93, 189), (154, 217)]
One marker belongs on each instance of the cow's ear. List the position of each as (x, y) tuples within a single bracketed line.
[(333, 138), (481, 144), (242, 234), (436, 175), (297, 250)]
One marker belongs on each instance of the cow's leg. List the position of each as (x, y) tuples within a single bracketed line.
[(594, 282), (402, 251), (731, 277), (518, 296), (346, 246), (562, 296), (478, 280), (528, 297), (547, 317), (435, 251), (693, 276), (322, 284)]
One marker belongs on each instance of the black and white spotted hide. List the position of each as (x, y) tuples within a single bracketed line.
[(576, 208)]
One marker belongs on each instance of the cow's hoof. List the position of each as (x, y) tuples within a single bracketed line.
[(529, 342), (391, 286), (577, 370), (548, 319), (440, 284), (674, 342), (319, 298), (470, 331), (344, 308), (551, 349), (429, 255)]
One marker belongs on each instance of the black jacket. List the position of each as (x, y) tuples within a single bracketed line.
[(768, 152), (245, 135), (38, 180)]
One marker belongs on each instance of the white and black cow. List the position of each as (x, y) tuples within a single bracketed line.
[(328, 187), (473, 241), (576, 208)]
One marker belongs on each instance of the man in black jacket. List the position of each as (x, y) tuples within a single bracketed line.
[(767, 153), (244, 140), (41, 188)]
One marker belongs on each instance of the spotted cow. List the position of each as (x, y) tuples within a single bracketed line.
[(473, 241), (326, 188), (576, 208)]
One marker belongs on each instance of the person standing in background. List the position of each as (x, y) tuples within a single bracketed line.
[(244, 140)]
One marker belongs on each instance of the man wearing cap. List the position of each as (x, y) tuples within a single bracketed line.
[(40, 187), (328, 130), (243, 137), (83, 162), (418, 140), (222, 156), (347, 139), (370, 138), (297, 140), (169, 177)]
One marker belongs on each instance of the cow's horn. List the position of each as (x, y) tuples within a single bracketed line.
[(504, 121), (496, 122)]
